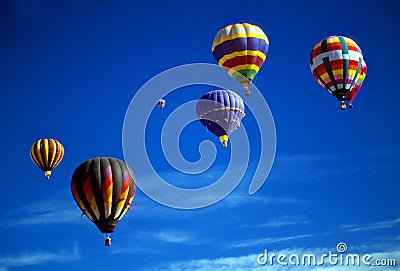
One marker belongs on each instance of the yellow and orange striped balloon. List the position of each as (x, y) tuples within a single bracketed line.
[(47, 153)]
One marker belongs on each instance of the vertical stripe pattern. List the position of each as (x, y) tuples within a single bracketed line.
[(220, 111), (103, 189), (359, 80), (47, 153), (79, 202), (107, 189), (126, 179), (336, 63)]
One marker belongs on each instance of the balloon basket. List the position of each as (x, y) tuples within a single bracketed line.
[(224, 140), (245, 85), (107, 242), (47, 174)]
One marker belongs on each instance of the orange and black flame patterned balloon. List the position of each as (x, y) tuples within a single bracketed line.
[(47, 154), (104, 189)]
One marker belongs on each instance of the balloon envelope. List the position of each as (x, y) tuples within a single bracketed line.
[(360, 79), (161, 103), (220, 111), (241, 50), (338, 65), (103, 188), (47, 153)]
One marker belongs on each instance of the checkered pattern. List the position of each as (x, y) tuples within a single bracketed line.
[(338, 66)]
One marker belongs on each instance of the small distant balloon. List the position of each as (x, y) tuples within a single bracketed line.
[(338, 65), (161, 103), (47, 153), (220, 111)]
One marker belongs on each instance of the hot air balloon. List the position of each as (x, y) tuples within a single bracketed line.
[(241, 49), (161, 103), (338, 66), (220, 111), (47, 153), (103, 188)]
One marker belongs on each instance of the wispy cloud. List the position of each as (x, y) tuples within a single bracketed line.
[(318, 157), (306, 167), (40, 257), (237, 200), (205, 189), (49, 216), (241, 263), (53, 213), (53, 210), (296, 158), (249, 262), (173, 237), (147, 239), (372, 226), (286, 220), (139, 250), (255, 242)]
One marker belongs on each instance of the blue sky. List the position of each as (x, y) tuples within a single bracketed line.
[(69, 70)]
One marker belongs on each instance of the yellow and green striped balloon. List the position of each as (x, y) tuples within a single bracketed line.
[(241, 49)]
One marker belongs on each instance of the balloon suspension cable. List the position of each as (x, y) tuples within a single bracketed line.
[(107, 242), (245, 85), (47, 173), (224, 140)]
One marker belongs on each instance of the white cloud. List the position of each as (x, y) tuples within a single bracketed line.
[(36, 258), (173, 237), (149, 242), (219, 264), (237, 200), (255, 242), (55, 209), (48, 211), (285, 220), (135, 250), (372, 226), (49, 216), (306, 167), (296, 158), (249, 262)]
